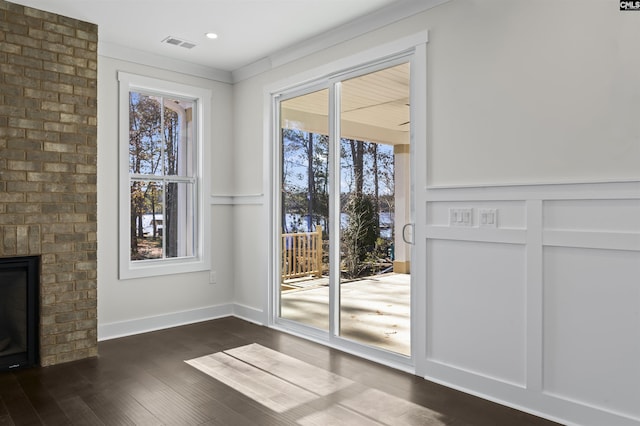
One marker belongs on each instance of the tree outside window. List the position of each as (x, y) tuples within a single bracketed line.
[(162, 177)]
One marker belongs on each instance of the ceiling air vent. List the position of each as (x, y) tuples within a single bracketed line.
[(179, 42)]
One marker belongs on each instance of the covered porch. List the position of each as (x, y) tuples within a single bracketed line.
[(375, 310)]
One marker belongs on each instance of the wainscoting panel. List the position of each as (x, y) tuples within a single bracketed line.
[(591, 327), (476, 308), (593, 215), (541, 309)]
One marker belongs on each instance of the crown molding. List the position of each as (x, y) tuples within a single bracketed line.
[(345, 32), (116, 51)]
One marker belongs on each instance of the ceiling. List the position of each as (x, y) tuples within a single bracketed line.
[(248, 30)]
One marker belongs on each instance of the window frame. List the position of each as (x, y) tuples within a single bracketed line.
[(201, 259)]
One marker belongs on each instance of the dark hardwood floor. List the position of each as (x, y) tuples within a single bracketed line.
[(143, 380)]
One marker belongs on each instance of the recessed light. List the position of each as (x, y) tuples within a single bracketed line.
[(212, 36)]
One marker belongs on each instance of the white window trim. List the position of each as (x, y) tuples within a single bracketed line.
[(201, 260)]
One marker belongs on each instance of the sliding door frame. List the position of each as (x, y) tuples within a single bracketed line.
[(412, 50)]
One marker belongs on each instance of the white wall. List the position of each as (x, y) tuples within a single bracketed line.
[(136, 305), (532, 93)]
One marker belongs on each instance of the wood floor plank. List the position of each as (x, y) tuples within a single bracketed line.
[(6, 421), (303, 374), (119, 408), (247, 407), (3, 409), (390, 410), (16, 401), (223, 415), (337, 415), (168, 405), (79, 412), (45, 404), (5, 418)]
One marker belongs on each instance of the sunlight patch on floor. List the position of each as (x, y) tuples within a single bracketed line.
[(306, 393)]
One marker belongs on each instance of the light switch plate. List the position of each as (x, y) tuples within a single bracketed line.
[(461, 217), (488, 218)]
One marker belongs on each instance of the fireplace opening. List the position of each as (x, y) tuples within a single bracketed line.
[(19, 296)]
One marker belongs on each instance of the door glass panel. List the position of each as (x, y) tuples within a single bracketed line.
[(304, 281), (374, 206)]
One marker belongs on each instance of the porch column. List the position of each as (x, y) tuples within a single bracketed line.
[(402, 182)]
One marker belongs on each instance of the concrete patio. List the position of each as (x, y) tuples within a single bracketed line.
[(375, 310)]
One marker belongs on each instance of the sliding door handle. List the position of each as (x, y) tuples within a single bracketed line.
[(404, 233)]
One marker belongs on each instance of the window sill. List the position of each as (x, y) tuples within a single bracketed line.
[(148, 268)]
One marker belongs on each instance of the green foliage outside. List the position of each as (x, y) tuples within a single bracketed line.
[(366, 181)]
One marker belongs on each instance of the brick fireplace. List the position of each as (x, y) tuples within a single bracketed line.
[(48, 150)]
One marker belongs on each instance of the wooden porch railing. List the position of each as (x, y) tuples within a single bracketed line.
[(302, 254)]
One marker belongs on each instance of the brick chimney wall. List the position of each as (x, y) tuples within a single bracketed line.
[(48, 150)]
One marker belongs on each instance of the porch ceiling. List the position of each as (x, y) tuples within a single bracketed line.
[(375, 107)]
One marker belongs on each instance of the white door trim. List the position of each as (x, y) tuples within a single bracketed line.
[(413, 49)]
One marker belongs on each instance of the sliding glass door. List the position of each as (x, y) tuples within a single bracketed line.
[(344, 186)]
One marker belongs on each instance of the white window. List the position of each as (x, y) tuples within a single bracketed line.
[(163, 216)]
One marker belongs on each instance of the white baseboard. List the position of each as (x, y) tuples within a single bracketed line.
[(250, 314), (143, 325)]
